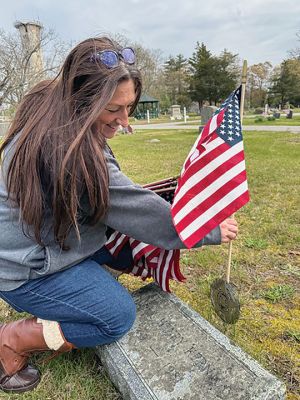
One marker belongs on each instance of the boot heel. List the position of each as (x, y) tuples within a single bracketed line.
[(22, 381)]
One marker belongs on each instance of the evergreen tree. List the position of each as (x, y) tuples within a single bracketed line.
[(176, 80), (226, 75), (212, 77), (285, 86), (201, 80)]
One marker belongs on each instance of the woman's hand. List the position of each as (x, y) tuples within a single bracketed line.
[(229, 230)]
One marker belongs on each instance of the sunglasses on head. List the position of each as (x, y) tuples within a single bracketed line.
[(112, 58)]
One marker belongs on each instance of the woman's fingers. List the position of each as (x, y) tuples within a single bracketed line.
[(229, 230)]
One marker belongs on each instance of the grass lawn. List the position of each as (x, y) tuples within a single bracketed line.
[(265, 267), (282, 121)]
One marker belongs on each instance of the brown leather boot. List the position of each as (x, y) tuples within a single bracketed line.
[(18, 340)]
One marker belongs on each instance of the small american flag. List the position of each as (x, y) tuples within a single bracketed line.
[(213, 183), (150, 261)]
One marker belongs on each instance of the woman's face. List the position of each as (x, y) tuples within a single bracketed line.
[(116, 112)]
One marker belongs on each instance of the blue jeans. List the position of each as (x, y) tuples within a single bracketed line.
[(91, 306)]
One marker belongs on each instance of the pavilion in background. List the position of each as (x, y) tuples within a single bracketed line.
[(147, 103)]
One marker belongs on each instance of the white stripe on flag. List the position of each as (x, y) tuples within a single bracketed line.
[(138, 247), (190, 153), (157, 270), (210, 146), (145, 272), (135, 270), (215, 209), (215, 163), (118, 242), (209, 191), (173, 272), (112, 237), (166, 267), (213, 124)]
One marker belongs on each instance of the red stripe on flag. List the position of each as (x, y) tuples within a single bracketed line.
[(116, 242), (158, 274), (217, 219), (143, 248), (206, 181), (205, 135), (211, 200), (167, 273), (175, 270), (202, 161), (149, 261)]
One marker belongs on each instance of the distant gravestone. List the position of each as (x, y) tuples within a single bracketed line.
[(175, 112), (172, 353), (206, 113), (266, 109)]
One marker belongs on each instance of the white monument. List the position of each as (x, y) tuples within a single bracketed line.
[(175, 112)]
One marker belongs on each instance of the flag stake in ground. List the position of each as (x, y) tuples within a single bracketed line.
[(224, 295)]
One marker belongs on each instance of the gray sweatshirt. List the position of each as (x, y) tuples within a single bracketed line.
[(133, 210)]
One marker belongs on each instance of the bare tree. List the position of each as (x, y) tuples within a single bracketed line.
[(258, 82), (295, 53), (16, 76), (149, 62)]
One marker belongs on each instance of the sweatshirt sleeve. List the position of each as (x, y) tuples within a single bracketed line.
[(142, 214)]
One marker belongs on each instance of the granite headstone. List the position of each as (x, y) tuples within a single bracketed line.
[(172, 353)]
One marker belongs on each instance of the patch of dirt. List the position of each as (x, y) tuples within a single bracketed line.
[(284, 368)]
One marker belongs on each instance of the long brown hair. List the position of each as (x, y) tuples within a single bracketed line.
[(58, 162)]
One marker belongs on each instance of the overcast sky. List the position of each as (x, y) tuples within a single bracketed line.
[(258, 30)]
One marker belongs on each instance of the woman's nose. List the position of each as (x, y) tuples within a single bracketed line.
[(122, 118)]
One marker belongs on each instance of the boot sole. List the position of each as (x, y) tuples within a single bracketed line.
[(22, 389)]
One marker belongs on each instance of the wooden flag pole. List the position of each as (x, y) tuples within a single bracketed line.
[(244, 81)]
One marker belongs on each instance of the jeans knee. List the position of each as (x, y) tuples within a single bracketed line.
[(123, 319)]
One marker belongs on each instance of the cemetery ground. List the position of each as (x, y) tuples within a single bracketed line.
[(256, 120), (250, 118), (265, 266)]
